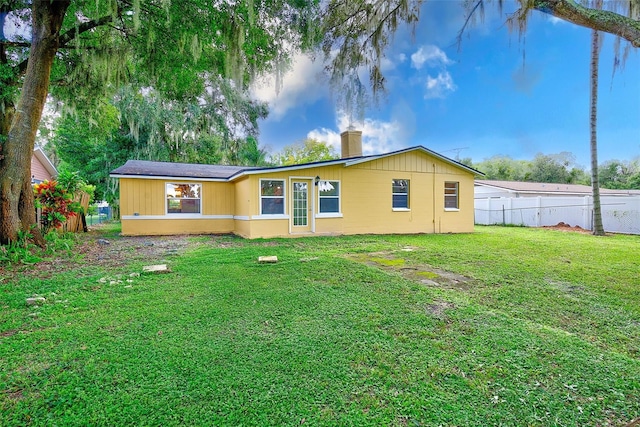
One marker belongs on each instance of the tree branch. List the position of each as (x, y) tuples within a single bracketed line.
[(84, 27), (10, 43), (65, 38), (601, 20)]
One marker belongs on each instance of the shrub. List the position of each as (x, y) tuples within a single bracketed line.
[(20, 251), (56, 203)]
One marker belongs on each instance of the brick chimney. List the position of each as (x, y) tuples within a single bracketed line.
[(351, 141)]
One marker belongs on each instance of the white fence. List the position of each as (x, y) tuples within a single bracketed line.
[(619, 214)]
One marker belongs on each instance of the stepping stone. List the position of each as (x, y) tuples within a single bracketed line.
[(35, 300), (159, 268)]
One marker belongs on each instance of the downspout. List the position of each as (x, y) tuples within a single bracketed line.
[(314, 197), (433, 194)]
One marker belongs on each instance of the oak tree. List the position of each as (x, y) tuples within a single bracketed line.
[(91, 48)]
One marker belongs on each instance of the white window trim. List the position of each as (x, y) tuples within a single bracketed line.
[(456, 209), (176, 216), (180, 215), (284, 200), (408, 194), (331, 214), (270, 216)]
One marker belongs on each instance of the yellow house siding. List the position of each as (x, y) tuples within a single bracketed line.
[(143, 208), (242, 228), (148, 197), (367, 203), (248, 205), (455, 221), (269, 228), (218, 198), (141, 197), (409, 162), (367, 196), (163, 227), (243, 197)]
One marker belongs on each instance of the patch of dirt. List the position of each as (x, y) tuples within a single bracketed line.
[(421, 273), (9, 333), (96, 248), (562, 226), (438, 308), (14, 395)]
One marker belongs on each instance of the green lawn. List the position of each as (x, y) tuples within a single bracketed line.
[(506, 326)]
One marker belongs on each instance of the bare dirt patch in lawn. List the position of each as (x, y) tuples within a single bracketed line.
[(95, 248), (437, 308), (418, 272), (13, 395), (562, 226)]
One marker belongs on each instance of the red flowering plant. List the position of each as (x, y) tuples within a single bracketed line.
[(56, 203)]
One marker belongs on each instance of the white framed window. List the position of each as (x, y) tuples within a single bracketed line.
[(400, 194), (329, 195), (183, 198), (451, 195), (271, 197)]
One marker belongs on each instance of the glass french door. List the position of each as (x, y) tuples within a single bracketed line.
[(300, 204)]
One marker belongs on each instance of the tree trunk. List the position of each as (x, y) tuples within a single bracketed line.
[(17, 210), (598, 228)]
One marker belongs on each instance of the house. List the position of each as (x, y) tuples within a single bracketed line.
[(490, 189), (413, 190), (41, 167)]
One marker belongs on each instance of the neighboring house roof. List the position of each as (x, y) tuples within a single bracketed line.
[(41, 157), (159, 170), (547, 188)]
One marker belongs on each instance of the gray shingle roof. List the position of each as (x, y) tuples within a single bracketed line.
[(177, 170), (219, 172)]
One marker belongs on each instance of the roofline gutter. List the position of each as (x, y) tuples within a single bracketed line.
[(273, 169), (168, 177)]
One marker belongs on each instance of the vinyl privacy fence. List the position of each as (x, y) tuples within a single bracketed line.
[(619, 214)]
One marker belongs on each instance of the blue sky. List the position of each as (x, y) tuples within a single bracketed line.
[(498, 94)]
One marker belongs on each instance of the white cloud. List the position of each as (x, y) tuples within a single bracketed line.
[(17, 25), (387, 65), (329, 136), (377, 136), (439, 86), (303, 84), (430, 55), (555, 20), (391, 64)]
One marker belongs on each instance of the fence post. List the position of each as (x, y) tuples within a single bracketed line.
[(538, 211), (585, 214)]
